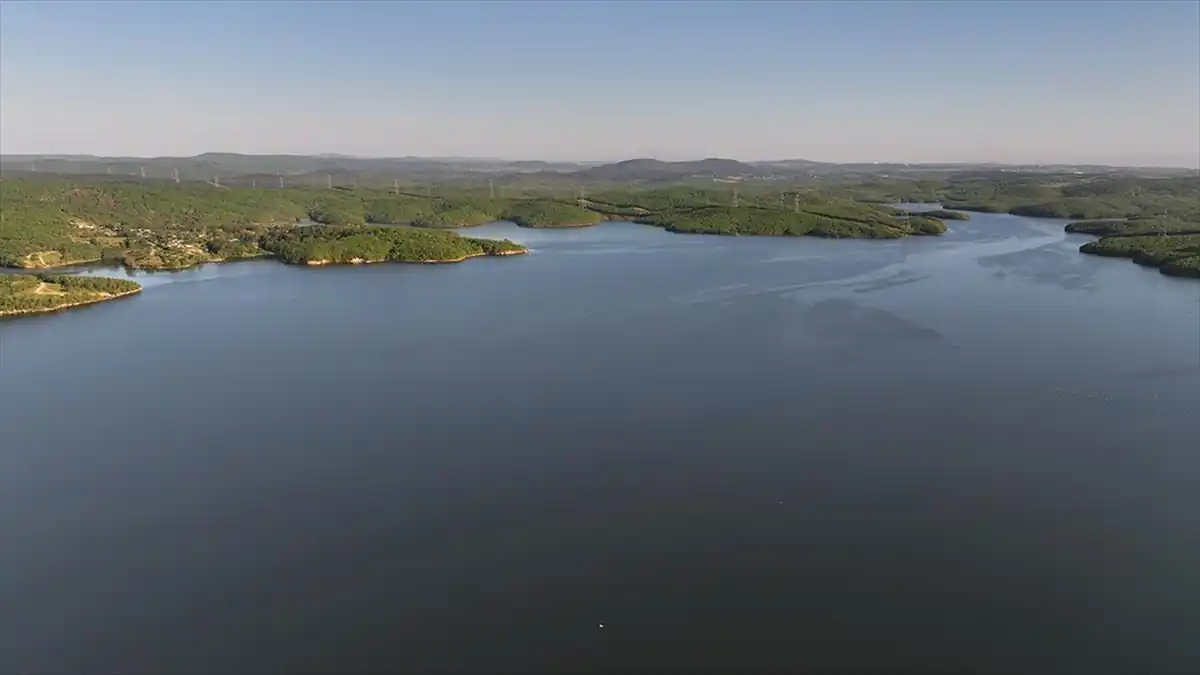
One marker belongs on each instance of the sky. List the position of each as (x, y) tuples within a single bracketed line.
[(962, 80)]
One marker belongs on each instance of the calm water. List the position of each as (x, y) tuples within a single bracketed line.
[(734, 454)]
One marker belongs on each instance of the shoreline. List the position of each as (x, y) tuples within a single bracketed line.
[(561, 226), (99, 263), (72, 305), (75, 265), (67, 269), (448, 261)]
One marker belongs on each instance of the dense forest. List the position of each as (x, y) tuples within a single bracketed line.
[(332, 244), (544, 213), (29, 293)]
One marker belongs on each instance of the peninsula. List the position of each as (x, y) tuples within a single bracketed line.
[(22, 294), (36, 294), (1176, 255)]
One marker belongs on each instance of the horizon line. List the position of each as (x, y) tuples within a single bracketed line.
[(334, 155)]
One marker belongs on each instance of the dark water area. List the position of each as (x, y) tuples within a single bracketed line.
[(629, 451)]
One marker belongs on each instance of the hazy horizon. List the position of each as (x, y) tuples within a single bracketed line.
[(1111, 83), (468, 158)]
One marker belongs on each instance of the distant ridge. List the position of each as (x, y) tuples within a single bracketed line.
[(314, 168), (650, 169)]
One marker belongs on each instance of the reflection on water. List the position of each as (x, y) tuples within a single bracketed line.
[(1049, 264), (842, 319)]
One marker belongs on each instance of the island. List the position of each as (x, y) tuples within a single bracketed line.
[(36, 294)]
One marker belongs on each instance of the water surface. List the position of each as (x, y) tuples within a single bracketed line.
[(977, 451)]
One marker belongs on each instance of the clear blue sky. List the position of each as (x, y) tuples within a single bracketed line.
[(1111, 82)]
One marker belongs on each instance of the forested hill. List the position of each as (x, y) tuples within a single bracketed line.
[(294, 168)]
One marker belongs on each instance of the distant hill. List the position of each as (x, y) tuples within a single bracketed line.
[(653, 169), (232, 165)]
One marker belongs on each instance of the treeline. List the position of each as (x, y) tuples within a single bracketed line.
[(454, 211), (1134, 226), (347, 244), (1065, 195), (1075, 197), (28, 293), (756, 220), (779, 214), (550, 214)]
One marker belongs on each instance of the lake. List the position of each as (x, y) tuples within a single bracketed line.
[(629, 451)]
